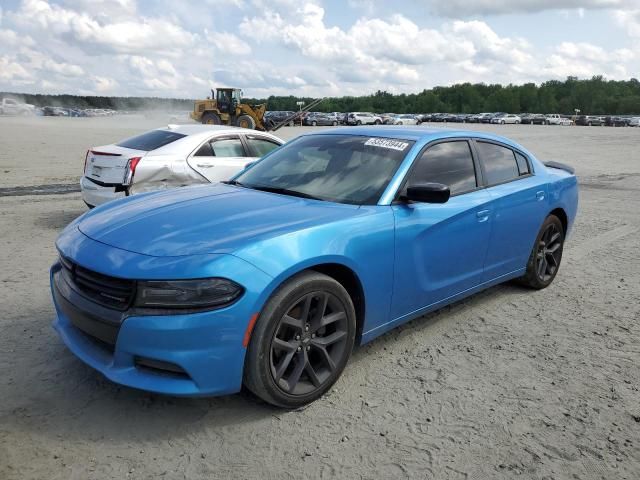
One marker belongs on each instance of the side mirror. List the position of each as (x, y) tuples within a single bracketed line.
[(428, 193)]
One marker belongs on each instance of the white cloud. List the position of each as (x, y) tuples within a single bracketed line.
[(128, 36), (630, 21), (459, 8), (11, 71), (228, 42)]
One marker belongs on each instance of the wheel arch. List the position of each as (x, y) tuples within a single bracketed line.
[(342, 273), (562, 215)]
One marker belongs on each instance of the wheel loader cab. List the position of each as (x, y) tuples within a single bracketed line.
[(223, 99)]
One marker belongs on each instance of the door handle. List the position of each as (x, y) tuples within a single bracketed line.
[(483, 215), (540, 195), (204, 165)]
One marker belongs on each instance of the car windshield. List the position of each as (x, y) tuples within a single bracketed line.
[(151, 140), (336, 168)]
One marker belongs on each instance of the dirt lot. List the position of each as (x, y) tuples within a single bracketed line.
[(507, 384)]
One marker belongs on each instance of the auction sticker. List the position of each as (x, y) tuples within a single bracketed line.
[(387, 143)]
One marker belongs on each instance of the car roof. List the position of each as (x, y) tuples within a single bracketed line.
[(416, 133), (198, 128)]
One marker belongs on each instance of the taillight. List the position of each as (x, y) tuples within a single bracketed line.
[(132, 163), (86, 157)]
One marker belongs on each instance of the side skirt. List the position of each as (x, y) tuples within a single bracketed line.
[(379, 330)]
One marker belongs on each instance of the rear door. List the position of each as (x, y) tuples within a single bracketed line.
[(219, 158), (518, 200), (108, 165)]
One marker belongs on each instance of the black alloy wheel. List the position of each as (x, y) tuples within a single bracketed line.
[(549, 253), (546, 255), (301, 342), (309, 342)]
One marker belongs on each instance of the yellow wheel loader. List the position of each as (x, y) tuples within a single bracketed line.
[(225, 107)]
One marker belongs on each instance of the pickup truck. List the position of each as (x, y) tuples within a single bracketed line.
[(9, 106), (555, 119)]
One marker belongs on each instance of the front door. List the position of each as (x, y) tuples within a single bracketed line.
[(440, 249)]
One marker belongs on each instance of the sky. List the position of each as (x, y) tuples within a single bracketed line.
[(171, 48)]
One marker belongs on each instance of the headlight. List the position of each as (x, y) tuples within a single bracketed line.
[(200, 293)]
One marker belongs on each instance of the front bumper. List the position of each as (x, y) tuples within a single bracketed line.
[(94, 194), (204, 351)]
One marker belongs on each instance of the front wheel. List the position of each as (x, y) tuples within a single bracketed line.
[(546, 255), (301, 342), (334, 123), (211, 118), (358, 123), (245, 121)]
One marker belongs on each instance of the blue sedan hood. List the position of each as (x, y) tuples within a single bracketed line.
[(211, 219)]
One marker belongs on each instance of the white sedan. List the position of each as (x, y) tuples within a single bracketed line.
[(175, 156), (507, 118)]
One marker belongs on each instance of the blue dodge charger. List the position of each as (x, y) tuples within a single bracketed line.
[(269, 280)]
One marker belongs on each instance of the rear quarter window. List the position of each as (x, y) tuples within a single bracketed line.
[(151, 140)]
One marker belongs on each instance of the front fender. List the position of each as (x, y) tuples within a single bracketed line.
[(364, 244)]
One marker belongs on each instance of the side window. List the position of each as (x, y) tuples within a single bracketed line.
[(204, 151), (227, 147), (499, 163), (261, 146), (449, 163), (523, 164)]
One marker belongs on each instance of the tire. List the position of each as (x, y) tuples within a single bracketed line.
[(517, 122), (245, 121), (502, 122), (334, 123), (377, 122), (358, 123), (551, 227), (211, 118), (314, 124), (299, 352), (547, 122)]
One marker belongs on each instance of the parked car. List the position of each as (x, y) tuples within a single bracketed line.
[(54, 112), (276, 117), (406, 119), (10, 106), (490, 116), (505, 118), (170, 157), (615, 121), (333, 239), (556, 119), (533, 119), (589, 120), (634, 122), (323, 119), (363, 118)]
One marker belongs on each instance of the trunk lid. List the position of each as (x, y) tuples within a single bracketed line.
[(108, 164)]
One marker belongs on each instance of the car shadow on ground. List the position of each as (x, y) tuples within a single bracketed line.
[(76, 402)]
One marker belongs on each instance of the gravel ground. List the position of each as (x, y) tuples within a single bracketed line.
[(509, 383)]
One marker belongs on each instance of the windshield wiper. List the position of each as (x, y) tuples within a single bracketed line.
[(283, 191), (233, 182)]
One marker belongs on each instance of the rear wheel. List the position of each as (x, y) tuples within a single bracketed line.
[(358, 122), (211, 118), (334, 123), (245, 121), (301, 342), (314, 123), (546, 255)]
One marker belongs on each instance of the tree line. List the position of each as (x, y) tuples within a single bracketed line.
[(595, 96)]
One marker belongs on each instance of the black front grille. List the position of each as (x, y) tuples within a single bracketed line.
[(108, 291)]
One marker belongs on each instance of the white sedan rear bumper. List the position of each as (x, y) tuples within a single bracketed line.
[(94, 194)]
